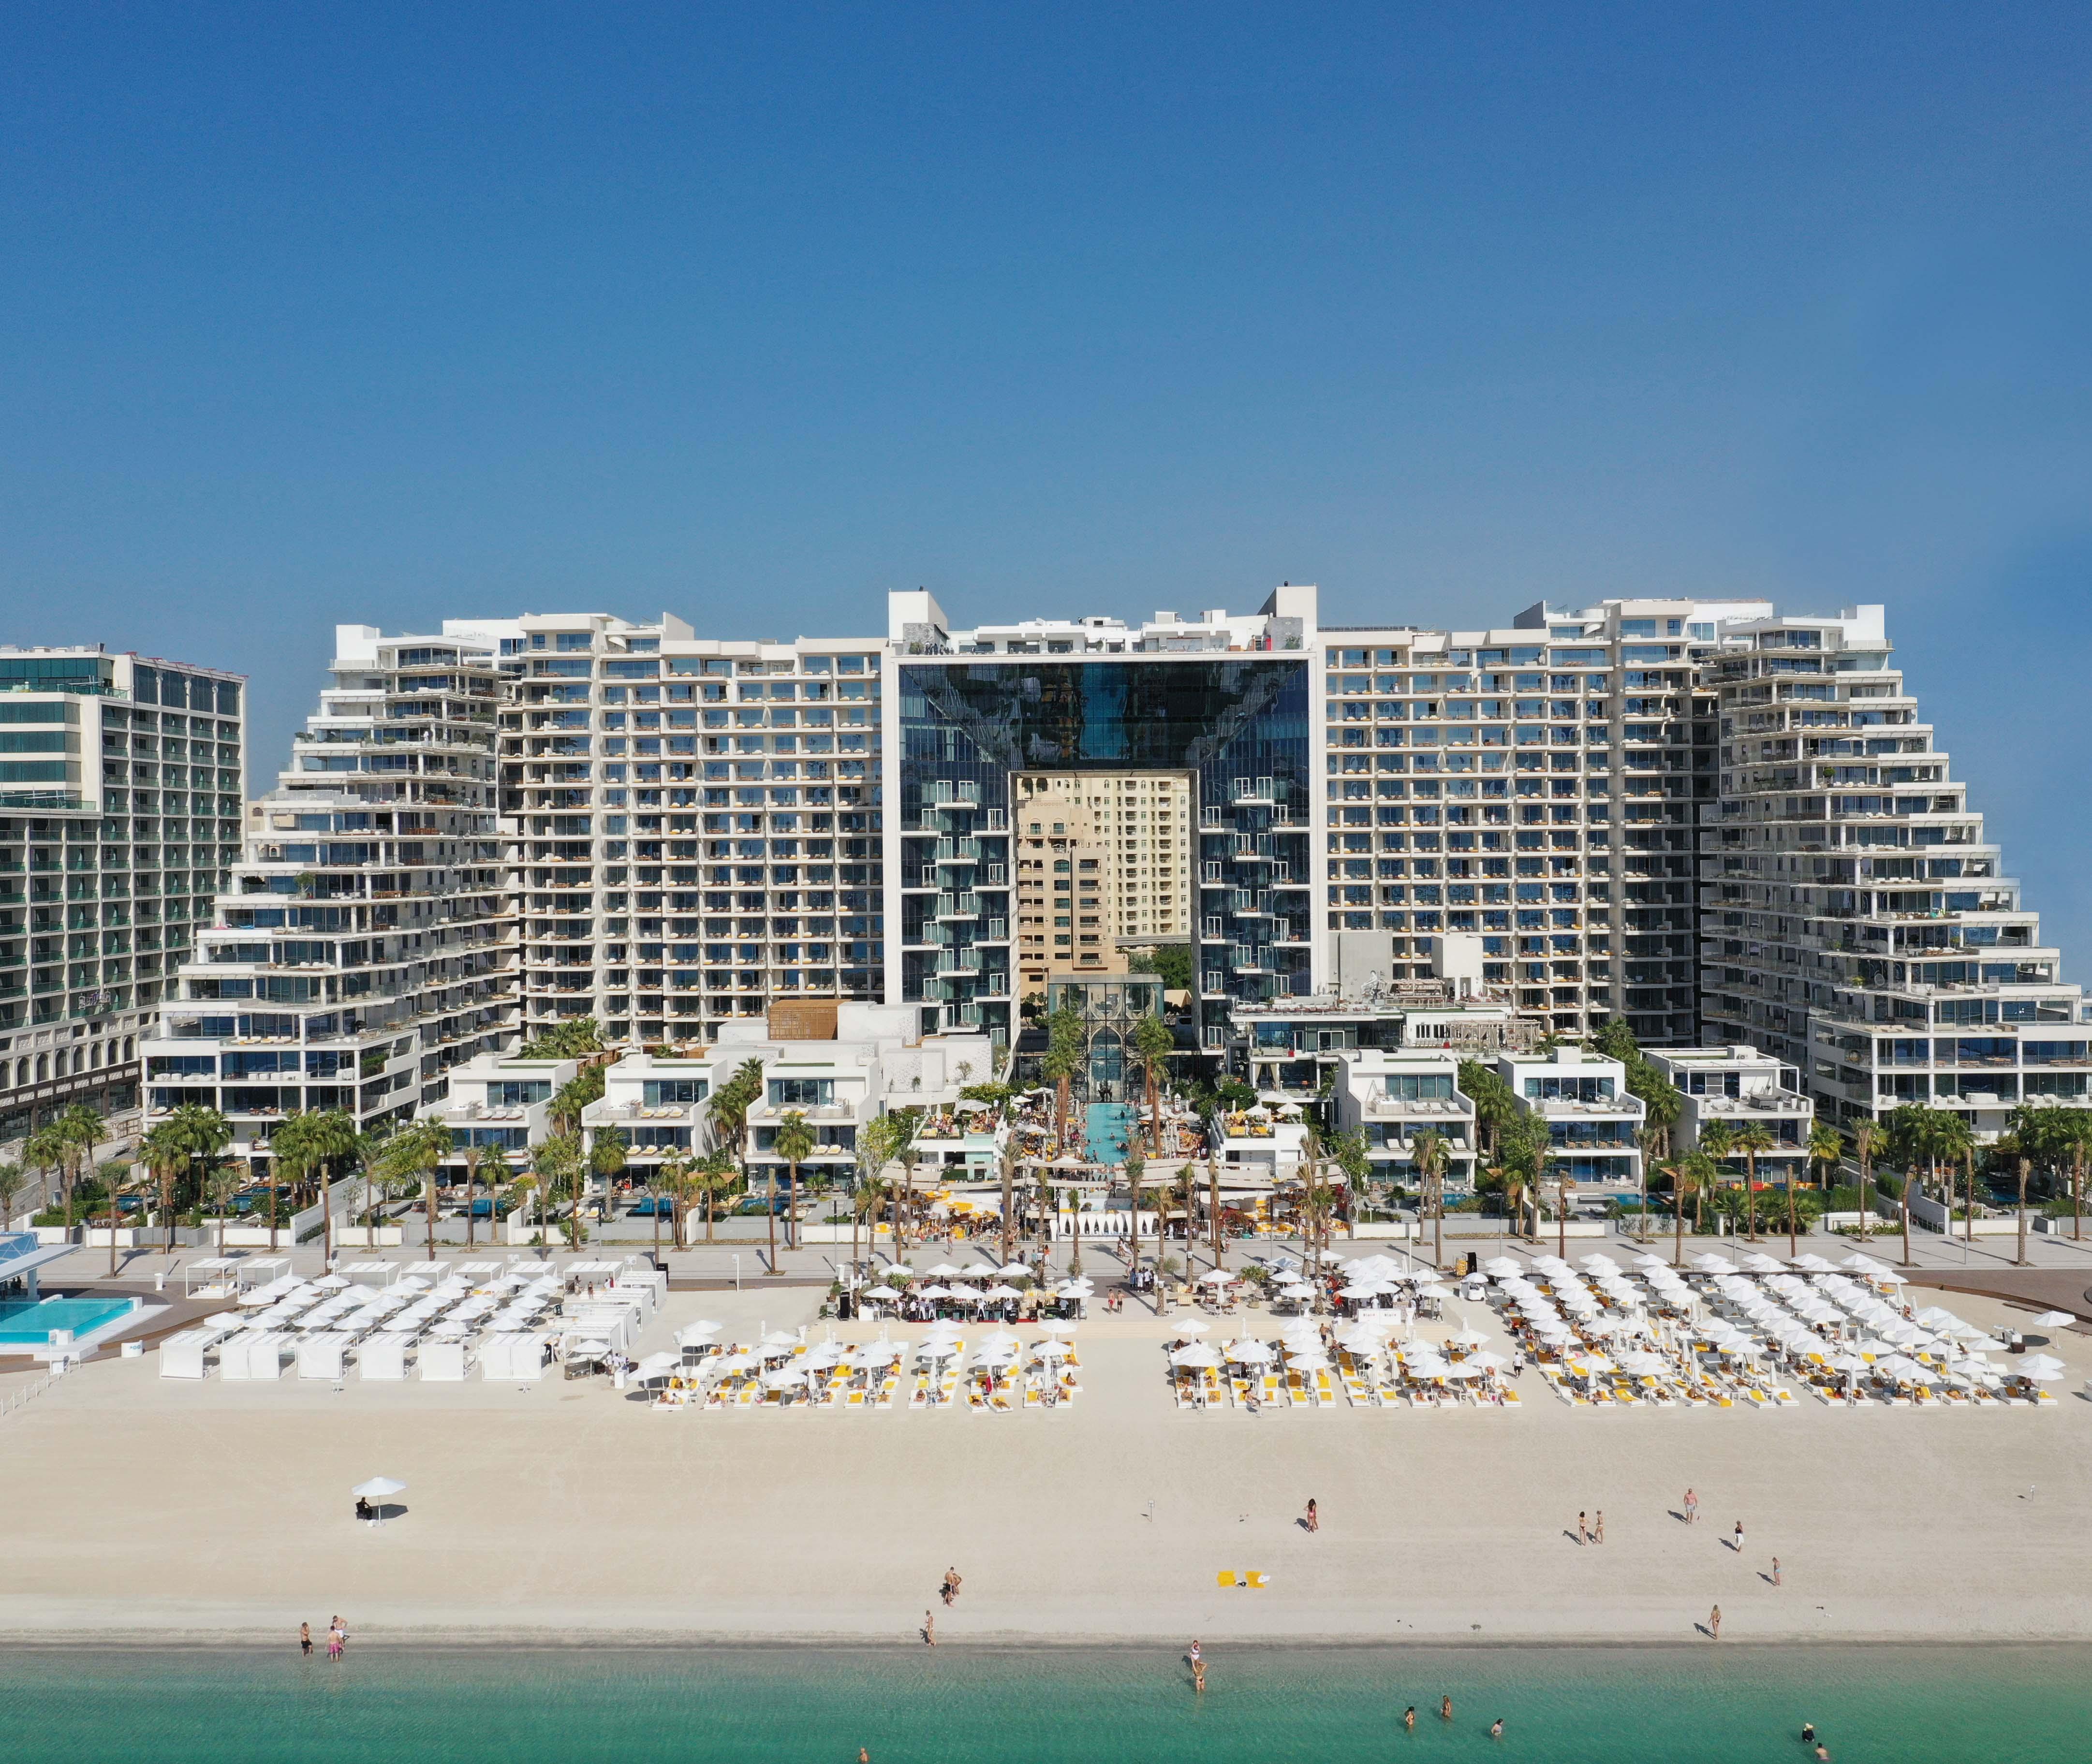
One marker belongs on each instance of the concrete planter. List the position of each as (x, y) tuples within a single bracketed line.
[(98, 1236), (367, 1237), (56, 1234)]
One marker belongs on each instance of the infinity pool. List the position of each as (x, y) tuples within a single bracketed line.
[(23, 1323)]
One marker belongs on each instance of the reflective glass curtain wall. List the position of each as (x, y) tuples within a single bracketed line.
[(1240, 724)]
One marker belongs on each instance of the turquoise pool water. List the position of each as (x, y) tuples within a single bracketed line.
[(969, 1706), (1106, 1126), (23, 1322)]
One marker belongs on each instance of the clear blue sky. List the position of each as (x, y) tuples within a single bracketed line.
[(310, 314)]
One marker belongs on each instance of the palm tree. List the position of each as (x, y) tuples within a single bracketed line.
[(411, 1157), (45, 1152), (1151, 1044), (1135, 1167), (72, 1138), (715, 1173), (563, 1174), (1065, 1055), (906, 1123), (1717, 1139), (1427, 1158), (1866, 1137), (1957, 1145), (794, 1143), (1675, 1171), (221, 1182), (1826, 1151), (1663, 1102), (13, 1179), (606, 1160), (874, 1151), (2080, 1134), (204, 1131), (1753, 1138), (727, 1111), (1213, 1206), (327, 1136)]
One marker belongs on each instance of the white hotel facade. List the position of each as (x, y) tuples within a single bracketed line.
[(1717, 822)]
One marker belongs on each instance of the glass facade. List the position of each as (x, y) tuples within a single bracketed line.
[(1237, 724)]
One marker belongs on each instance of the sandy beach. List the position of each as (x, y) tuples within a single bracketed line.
[(172, 1511)]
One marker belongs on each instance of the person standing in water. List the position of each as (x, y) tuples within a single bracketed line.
[(1496, 1728), (305, 1638), (1445, 1708), (1409, 1719)]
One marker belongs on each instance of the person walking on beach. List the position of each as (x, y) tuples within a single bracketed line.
[(305, 1639), (1714, 1623), (1583, 1530), (929, 1630), (1314, 1515), (1691, 1508), (1598, 1530), (1738, 1546), (1776, 1579)]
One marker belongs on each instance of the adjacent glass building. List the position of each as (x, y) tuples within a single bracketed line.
[(121, 782)]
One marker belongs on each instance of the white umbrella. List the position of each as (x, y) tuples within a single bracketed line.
[(1058, 1326), (876, 1354), (378, 1489), (944, 1271), (1249, 1352), (1501, 1267), (1192, 1326), (741, 1362), (783, 1378), (1000, 1291), (1467, 1337), (1197, 1354), (936, 1291), (657, 1366), (1297, 1289), (2056, 1320), (2043, 1368), (589, 1350), (1307, 1362), (1011, 1270), (1488, 1361), (1051, 1349)]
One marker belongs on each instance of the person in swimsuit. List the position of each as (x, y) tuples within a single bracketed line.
[(1823, 1755), (1409, 1718), (1583, 1528), (1740, 1538), (1598, 1529), (1199, 1674), (1314, 1517), (1445, 1708), (1496, 1728), (1691, 1507), (1714, 1623), (1808, 1733), (929, 1630), (305, 1638)]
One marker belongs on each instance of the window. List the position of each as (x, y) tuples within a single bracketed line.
[(673, 1092), (518, 1093), (801, 1092)]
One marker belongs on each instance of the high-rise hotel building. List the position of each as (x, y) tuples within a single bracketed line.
[(1707, 819), (1855, 919), (364, 945), (692, 825), (121, 782)]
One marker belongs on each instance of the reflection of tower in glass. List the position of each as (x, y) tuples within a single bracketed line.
[(1103, 866)]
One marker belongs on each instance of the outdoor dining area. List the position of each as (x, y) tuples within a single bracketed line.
[(980, 1294), (437, 1321), (995, 1372), (1750, 1332)]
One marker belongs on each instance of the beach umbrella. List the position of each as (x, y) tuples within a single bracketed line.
[(1501, 1267), (742, 1361), (657, 1366), (1467, 1337), (1002, 1292), (943, 1271), (1488, 1362), (1051, 1349), (1197, 1354), (1433, 1291), (1933, 1316), (2055, 1320), (1012, 1270), (1315, 1361), (1192, 1326), (1297, 1289), (2043, 1369), (876, 1354), (378, 1489), (897, 1271), (1058, 1326), (1249, 1352), (782, 1378), (1590, 1365), (1598, 1263)]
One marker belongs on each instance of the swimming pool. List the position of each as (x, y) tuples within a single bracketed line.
[(24, 1323), (1106, 1126)]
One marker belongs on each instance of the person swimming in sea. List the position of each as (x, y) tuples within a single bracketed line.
[(1409, 1718)]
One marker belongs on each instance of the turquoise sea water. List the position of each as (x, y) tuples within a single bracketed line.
[(1564, 1706)]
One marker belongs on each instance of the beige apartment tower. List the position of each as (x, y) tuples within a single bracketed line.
[(1104, 865)]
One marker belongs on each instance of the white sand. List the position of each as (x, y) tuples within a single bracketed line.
[(136, 1505)]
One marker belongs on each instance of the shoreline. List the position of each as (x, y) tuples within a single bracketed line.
[(650, 1642)]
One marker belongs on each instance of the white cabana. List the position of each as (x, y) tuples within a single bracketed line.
[(320, 1355), (442, 1362), (381, 1359)]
